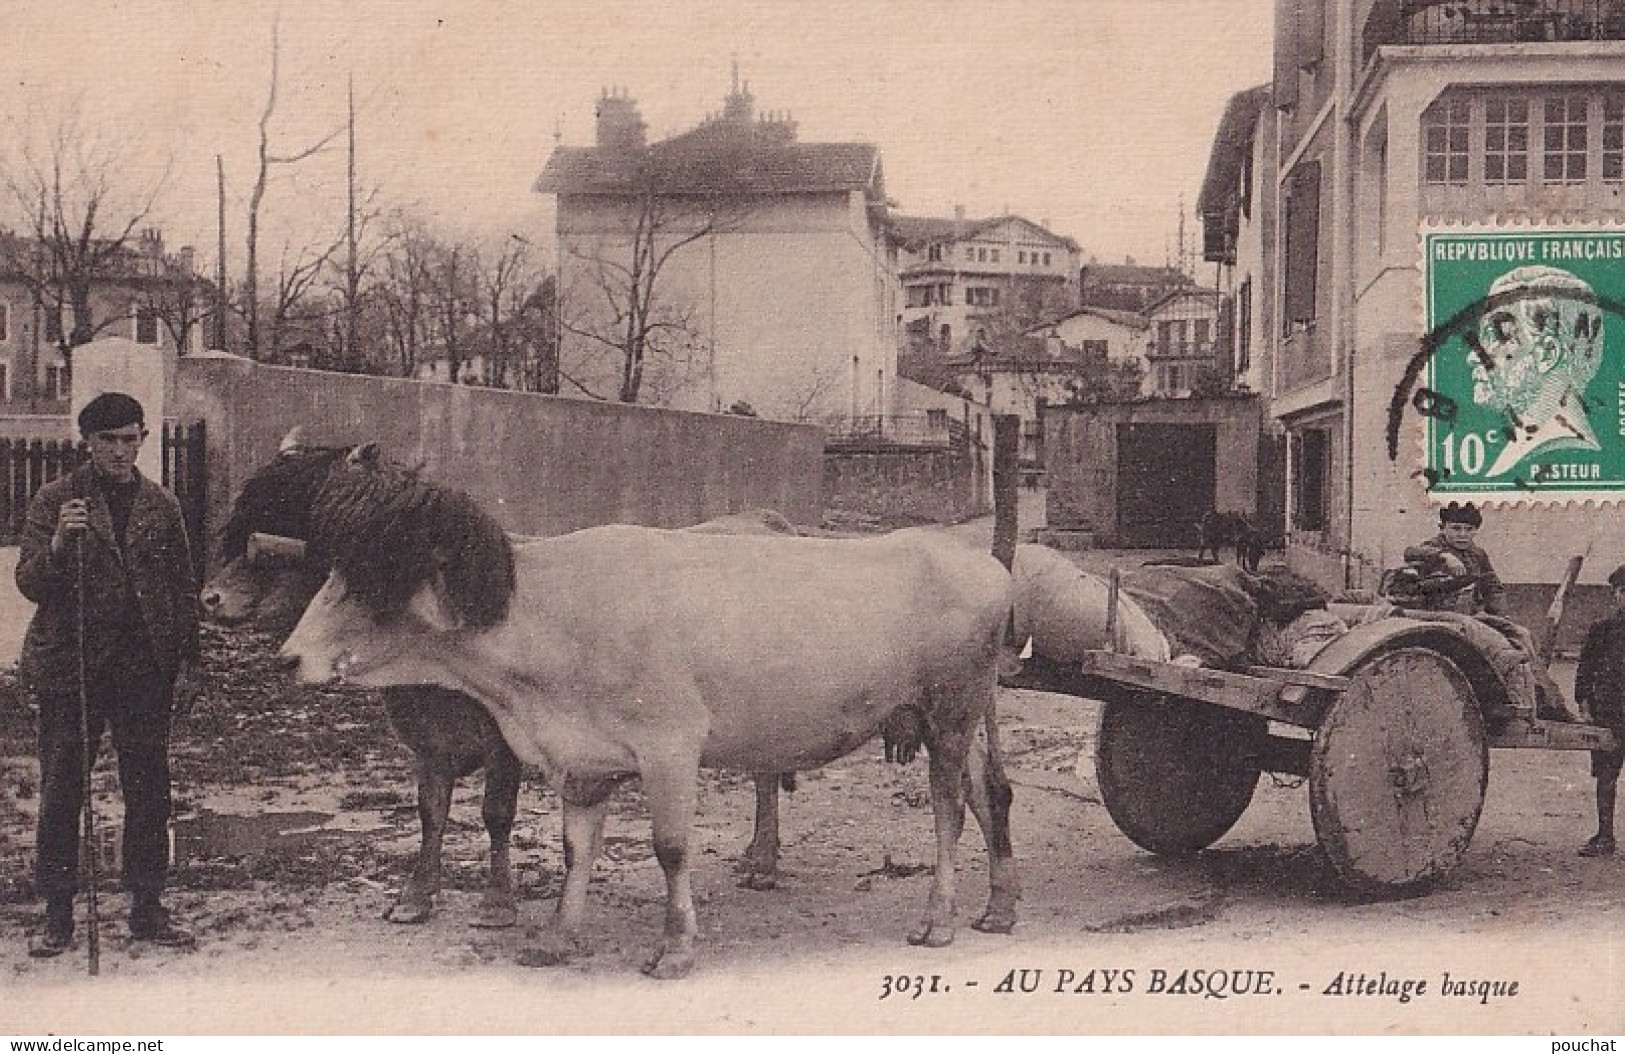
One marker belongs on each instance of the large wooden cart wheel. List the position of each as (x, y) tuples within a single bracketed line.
[(1176, 774), (1397, 771)]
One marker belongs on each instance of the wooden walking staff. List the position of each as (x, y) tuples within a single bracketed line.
[(90, 850)]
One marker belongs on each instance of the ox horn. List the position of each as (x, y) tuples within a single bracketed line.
[(276, 545)]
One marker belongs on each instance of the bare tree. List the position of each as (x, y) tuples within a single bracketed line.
[(84, 218), (292, 305), (267, 159), (503, 277), (451, 300), (403, 289), (622, 305)]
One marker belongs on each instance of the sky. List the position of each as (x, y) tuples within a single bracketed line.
[(1094, 117)]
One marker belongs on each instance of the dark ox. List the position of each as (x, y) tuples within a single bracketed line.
[(267, 583), (621, 651)]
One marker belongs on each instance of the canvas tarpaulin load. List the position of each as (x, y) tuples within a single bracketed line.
[(1205, 611)]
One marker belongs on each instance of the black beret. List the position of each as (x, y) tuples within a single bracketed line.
[(108, 411), (1617, 579), (1458, 513)]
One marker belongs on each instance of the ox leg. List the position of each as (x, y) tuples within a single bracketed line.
[(673, 795), (947, 753), (498, 908), (416, 900), (758, 868), (585, 807), (988, 790)]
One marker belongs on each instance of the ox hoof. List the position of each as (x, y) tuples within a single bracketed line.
[(671, 964), (549, 949), (994, 922), (408, 913), (758, 880), (495, 917), (930, 936)]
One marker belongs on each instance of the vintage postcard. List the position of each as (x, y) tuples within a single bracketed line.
[(1085, 517)]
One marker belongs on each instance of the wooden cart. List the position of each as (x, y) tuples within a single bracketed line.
[(1391, 724)]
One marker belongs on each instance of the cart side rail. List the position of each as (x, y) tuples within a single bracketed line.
[(1499, 684)]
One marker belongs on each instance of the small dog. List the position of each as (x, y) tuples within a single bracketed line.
[(1233, 530)]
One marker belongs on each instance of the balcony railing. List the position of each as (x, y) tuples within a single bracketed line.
[(1493, 21), (922, 429)]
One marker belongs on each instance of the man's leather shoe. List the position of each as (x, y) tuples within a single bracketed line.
[(155, 925)]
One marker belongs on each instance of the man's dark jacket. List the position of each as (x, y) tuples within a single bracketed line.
[(143, 601)]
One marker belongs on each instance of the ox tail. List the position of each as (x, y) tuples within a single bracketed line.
[(787, 781)]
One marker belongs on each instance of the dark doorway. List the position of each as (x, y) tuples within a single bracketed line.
[(1165, 482)]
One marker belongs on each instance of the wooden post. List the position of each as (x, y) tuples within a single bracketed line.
[(1006, 486)]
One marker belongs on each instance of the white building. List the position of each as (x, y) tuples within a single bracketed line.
[(777, 286)]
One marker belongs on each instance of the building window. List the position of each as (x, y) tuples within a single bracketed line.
[(993, 256), (933, 252), (1565, 139), (146, 325), (1021, 256), (1446, 128), (1202, 334), (970, 254), (981, 296), (1613, 138), (1244, 326), (1046, 259), (5, 323), (919, 296), (1506, 140), (1311, 468), (5, 380), (56, 381), (1093, 351), (1301, 273), (53, 326)]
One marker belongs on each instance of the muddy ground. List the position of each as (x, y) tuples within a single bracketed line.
[(296, 824)]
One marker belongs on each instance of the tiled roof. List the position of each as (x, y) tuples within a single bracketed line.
[(695, 164), (1123, 318), (916, 232), (1231, 143)]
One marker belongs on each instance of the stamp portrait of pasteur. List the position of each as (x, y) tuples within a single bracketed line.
[(1540, 344)]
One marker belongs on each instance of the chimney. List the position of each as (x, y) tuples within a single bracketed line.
[(620, 126)]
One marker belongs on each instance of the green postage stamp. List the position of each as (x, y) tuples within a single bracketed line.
[(1525, 394)]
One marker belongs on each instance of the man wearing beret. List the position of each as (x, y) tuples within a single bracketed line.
[(105, 554), (1599, 686)]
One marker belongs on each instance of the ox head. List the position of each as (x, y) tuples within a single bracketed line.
[(413, 563), (268, 586), (268, 575)]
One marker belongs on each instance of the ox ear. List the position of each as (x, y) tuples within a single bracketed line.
[(430, 603), (366, 455)]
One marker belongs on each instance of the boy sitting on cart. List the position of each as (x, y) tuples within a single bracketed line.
[(1451, 573)]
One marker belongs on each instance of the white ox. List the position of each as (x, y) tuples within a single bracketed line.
[(621, 651)]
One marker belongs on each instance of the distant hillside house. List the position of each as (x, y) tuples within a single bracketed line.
[(1090, 334), (1127, 286), (772, 282), (138, 291), (1183, 355), (959, 276)]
